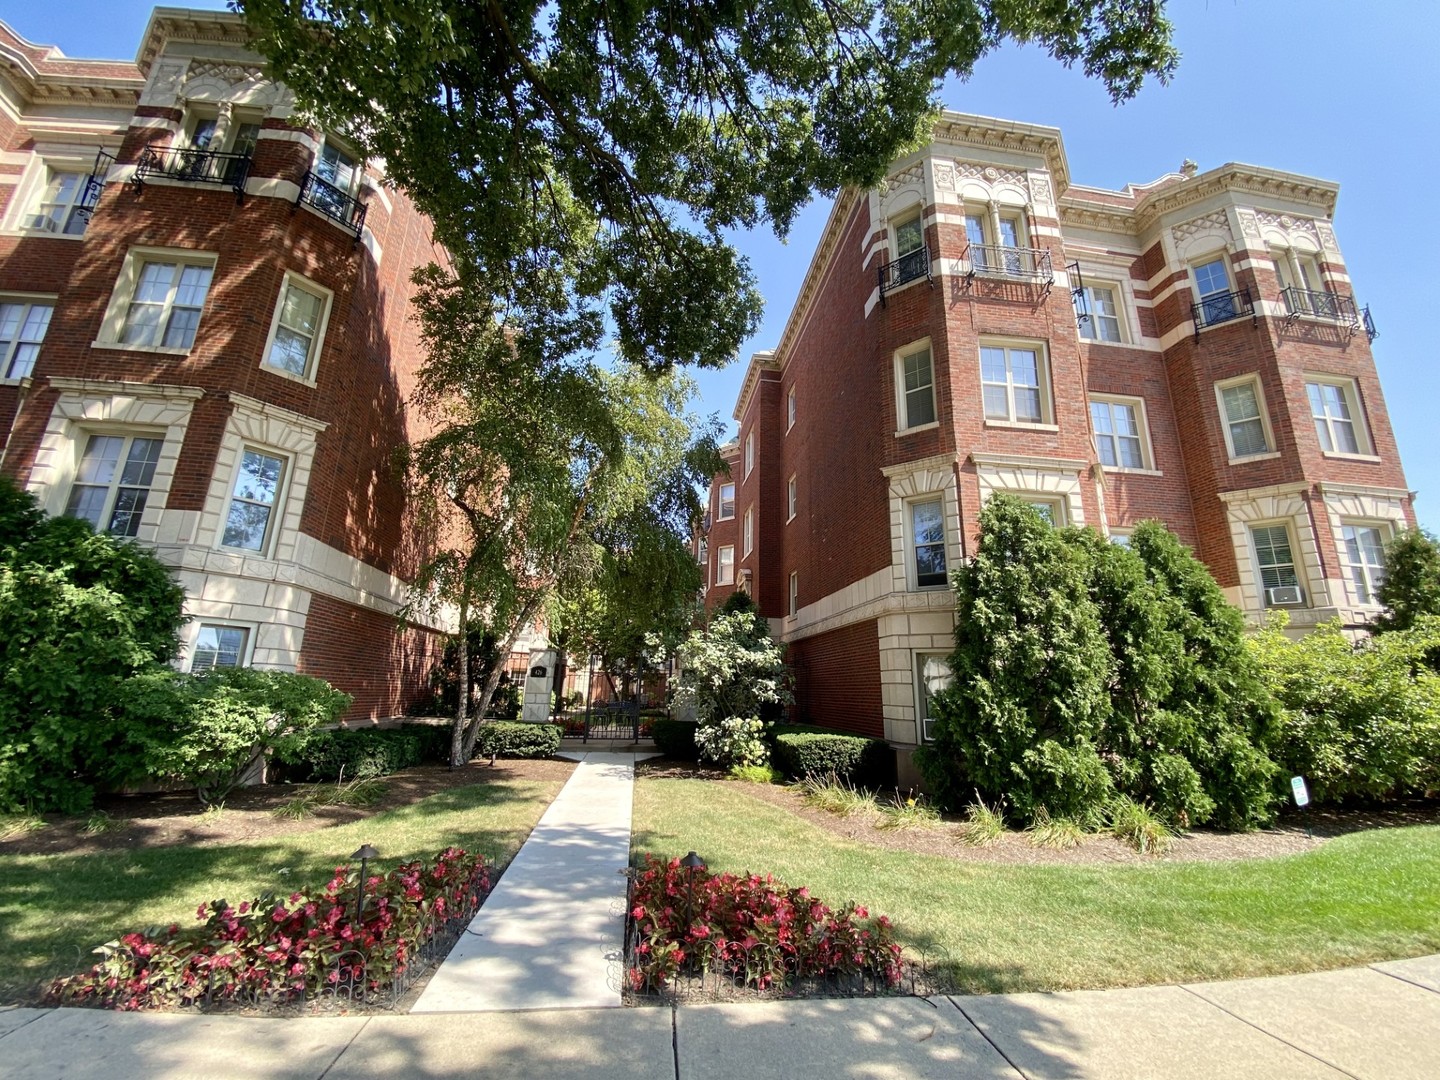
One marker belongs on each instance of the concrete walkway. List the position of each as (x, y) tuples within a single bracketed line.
[(1380, 1022), (550, 934)]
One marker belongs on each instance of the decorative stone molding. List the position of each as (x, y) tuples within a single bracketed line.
[(1215, 224), (1056, 477), (907, 177), (1280, 504)]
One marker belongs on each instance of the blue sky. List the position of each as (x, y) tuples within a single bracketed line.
[(1330, 88)]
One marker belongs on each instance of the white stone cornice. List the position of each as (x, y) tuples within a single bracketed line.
[(1015, 461), (1274, 491), (162, 391), (934, 461), (277, 412)]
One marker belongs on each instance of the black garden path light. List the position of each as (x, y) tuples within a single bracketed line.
[(365, 854), (691, 863)]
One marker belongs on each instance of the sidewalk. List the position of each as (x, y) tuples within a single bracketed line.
[(1380, 1022)]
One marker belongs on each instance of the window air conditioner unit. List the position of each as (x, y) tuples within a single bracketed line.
[(41, 222), (926, 729), (1285, 596)]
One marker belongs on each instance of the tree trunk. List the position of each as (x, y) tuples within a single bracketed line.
[(472, 730), (458, 756)]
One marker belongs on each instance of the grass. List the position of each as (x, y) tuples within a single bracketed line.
[(99, 823), (1358, 899), (1135, 824), (1059, 834), (54, 909), (908, 812), (984, 825), (357, 793), (838, 797), (15, 824), (755, 774)]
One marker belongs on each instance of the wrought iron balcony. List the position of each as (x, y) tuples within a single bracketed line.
[(192, 166), (1222, 307), (1368, 321), (908, 267), (345, 210), (1011, 263), (1321, 305)]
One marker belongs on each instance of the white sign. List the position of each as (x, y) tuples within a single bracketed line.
[(1297, 788)]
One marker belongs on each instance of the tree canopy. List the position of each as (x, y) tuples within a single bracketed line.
[(614, 143)]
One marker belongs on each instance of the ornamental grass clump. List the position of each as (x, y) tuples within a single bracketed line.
[(295, 946), (754, 930)]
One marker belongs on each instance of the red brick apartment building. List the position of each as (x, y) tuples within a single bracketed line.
[(205, 344), (1188, 349)]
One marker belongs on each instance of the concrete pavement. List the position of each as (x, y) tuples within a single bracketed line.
[(1375, 1023)]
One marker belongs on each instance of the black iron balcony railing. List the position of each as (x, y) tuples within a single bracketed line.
[(1321, 305), (1014, 263), (345, 210), (1222, 307), (908, 267), (94, 185), (1368, 321), (193, 166)]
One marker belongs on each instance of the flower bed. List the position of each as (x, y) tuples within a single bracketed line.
[(306, 945), (709, 931)]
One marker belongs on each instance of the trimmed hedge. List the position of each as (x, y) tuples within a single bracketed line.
[(853, 758), (373, 751), (676, 739), (515, 739)]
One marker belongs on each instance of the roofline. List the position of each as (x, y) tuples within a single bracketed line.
[(225, 23), (762, 360)]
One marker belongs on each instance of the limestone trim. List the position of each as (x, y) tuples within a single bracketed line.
[(1282, 504), (1054, 478), (916, 482), (903, 636), (90, 406), (1352, 504)]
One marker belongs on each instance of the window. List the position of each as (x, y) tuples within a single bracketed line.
[(749, 453), (790, 499), (337, 168), (927, 537), (1246, 427), (725, 565), (161, 300), (1051, 510), (727, 503), (749, 530), (1120, 537), (1010, 382), (62, 208), (702, 552), (794, 593), (917, 388), (219, 647), (1098, 313), (790, 409), (250, 519), (113, 481), (1336, 413), (997, 244), (932, 674), (1217, 303), (234, 136), (1273, 557), (1365, 554), (22, 329), (297, 328), (911, 258), (1120, 436)]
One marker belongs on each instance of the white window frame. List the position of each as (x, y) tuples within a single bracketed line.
[(1121, 536), (1142, 421), (357, 177), (748, 531), (702, 551), (794, 593), (720, 514), (1386, 529), (277, 507), (28, 303), (917, 671), (721, 577), (790, 410), (902, 407), (912, 563), (1350, 389), (247, 650), (116, 312), (1042, 364), (127, 435), (1220, 387), (791, 499), (1296, 564), (1092, 320), (35, 199), (292, 280), (749, 453), (1058, 503)]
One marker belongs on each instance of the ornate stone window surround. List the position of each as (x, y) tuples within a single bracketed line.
[(1280, 505), (917, 482), (1349, 504), (1058, 479)]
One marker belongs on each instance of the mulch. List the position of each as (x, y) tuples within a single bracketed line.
[(177, 818)]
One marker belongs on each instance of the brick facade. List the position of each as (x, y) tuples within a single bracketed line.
[(1101, 287), (320, 593)]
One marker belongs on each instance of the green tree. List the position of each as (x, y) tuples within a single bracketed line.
[(1411, 588), (733, 668), (619, 142)]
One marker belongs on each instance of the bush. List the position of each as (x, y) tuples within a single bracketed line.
[(676, 739), (1358, 721), (851, 758), (1411, 588), (515, 739), (736, 740), (332, 755), (303, 944), (733, 667), (753, 929)]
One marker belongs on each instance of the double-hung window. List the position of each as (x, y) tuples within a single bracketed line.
[(910, 253), (932, 674), (702, 552), (1097, 312), (250, 519), (1119, 433), (1365, 555), (996, 246), (927, 539), (790, 500), (794, 607), (62, 208), (1217, 302), (725, 565), (1011, 383), (749, 530), (1246, 431), (164, 311), (790, 409), (22, 329), (749, 453), (297, 328), (219, 647), (112, 482), (1336, 415), (917, 388), (1273, 556), (726, 510)]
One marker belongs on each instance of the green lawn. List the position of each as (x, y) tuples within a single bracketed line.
[(1360, 898), (55, 908)]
